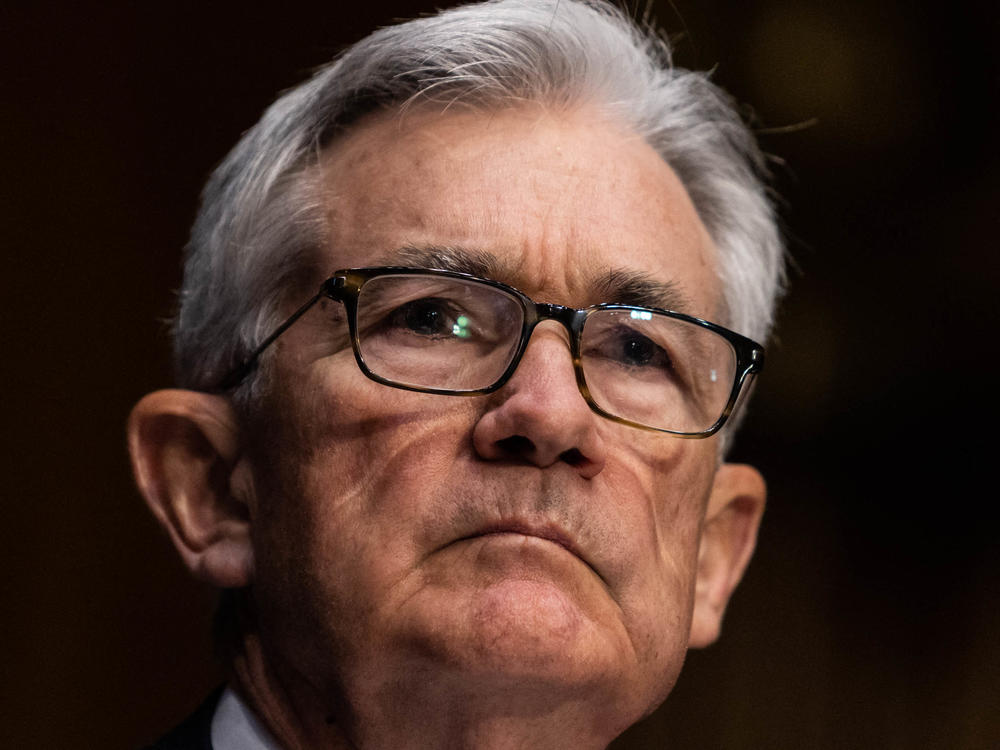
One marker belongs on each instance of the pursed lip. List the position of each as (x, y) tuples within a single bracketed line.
[(547, 532)]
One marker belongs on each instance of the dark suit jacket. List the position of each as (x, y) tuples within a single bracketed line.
[(195, 732)]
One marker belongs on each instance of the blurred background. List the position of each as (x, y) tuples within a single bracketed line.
[(869, 617)]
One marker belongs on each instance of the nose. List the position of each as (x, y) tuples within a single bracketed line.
[(539, 416)]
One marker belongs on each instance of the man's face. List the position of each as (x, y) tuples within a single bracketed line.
[(516, 539)]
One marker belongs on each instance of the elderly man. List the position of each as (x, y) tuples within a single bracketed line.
[(451, 440)]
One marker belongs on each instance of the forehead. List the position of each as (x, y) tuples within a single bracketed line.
[(561, 201)]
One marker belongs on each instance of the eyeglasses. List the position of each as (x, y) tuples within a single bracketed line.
[(451, 333)]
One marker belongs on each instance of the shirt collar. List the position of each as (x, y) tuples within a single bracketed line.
[(234, 726)]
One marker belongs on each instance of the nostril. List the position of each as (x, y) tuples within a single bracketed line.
[(573, 457), (520, 447), (516, 446)]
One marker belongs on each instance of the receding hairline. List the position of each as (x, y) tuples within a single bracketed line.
[(620, 285), (471, 56)]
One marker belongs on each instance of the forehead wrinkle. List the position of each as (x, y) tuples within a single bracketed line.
[(444, 234)]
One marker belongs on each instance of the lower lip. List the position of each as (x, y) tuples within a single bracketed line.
[(513, 547), (511, 558), (510, 540), (514, 535)]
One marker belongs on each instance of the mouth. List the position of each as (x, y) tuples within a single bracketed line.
[(549, 534), (546, 533)]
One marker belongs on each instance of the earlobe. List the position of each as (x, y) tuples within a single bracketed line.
[(184, 447), (728, 537)]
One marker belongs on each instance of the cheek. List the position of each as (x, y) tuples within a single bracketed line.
[(350, 473), (663, 483), (347, 433), (663, 489), (380, 450)]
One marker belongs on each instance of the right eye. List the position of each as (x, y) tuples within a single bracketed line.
[(428, 316)]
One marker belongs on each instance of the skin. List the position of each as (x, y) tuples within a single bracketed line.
[(508, 570)]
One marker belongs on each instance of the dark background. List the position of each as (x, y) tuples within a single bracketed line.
[(869, 617)]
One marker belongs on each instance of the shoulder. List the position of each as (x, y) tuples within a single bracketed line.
[(195, 732)]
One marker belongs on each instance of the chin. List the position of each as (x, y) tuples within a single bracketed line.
[(525, 633)]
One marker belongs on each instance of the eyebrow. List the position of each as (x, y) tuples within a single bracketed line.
[(627, 287), (617, 285), (449, 258)]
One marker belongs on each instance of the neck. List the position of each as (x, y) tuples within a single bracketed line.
[(419, 707)]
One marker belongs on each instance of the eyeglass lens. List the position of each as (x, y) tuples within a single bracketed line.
[(437, 332), (440, 332)]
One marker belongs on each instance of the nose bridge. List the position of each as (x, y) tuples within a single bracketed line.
[(548, 311), (551, 361), (566, 316)]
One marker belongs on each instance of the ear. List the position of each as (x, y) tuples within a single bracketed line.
[(184, 447), (728, 537)]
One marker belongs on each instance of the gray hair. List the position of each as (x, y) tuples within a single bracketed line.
[(261, 217)]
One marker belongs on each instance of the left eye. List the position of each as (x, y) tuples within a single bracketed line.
[(626, 347), (637, 350)]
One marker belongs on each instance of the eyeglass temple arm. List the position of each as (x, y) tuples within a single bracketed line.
[(238, 374)]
